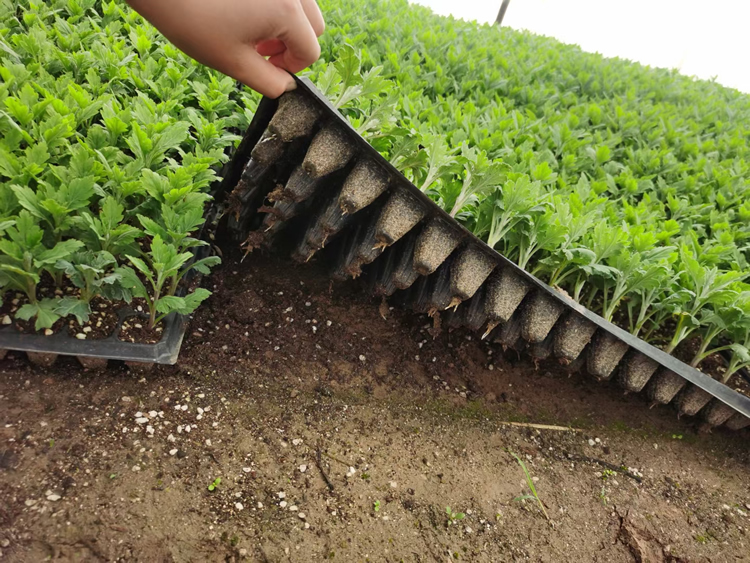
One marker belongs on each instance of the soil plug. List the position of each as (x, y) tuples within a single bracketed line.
[(509, 335), (268, 150), (664, 387), (475, 315), (405, 274), (636, 372), (434, 245), (42, 359), (717, 413), (383, 285), (400, 214), (541, 350), (300, 186), (691, 400), (505, 291), (440, 297), (571, 337), (295, 117), (606, 352), (540, 317), (363, 186), (738, 421), (329, 151), (473, 266), (347, 254), (303, 251)]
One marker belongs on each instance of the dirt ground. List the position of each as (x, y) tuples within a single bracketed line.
[(331, 433)]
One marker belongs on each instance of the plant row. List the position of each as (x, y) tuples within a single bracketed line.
[(109, 141), (626, 187)]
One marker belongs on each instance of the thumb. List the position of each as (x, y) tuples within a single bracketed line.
[(262, 76)]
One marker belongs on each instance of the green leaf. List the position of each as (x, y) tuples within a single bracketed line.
[(76, 307)]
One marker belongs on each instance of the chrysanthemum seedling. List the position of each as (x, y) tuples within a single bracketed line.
[(215, 484)]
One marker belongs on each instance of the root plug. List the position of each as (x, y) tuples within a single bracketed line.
[(636, 372), (472, 267), (401, 214), (294, 118), (664, 387), (404, 274), (540, 317), (606, 352), (717, 413), (363, 186), (505, 291), (329, 151), (436, 242), (738, 421), (572, 336), (692, 400)]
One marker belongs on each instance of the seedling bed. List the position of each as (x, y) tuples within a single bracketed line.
[(312, 186)]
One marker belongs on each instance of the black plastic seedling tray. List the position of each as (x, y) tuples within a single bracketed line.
[(304, 173), (44, 350)]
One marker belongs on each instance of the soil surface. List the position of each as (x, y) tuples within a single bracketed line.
[(341, 435)]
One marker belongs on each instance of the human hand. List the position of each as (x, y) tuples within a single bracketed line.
[(253, 41)]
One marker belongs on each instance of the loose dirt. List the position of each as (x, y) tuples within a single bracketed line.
[(340, 435)]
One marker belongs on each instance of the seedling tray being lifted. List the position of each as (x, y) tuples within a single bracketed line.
[(311, 185)]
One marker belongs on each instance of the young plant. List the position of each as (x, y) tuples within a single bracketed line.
[(164, 267), (481, 176), (214, 484), (706, 285), (93, 273), (108, 232), (454, 517), (530, 483), (634, 271), (519, 200), (23, 259)]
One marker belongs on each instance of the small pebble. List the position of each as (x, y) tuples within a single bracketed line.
[(136, 468), (238, 505), (362, 358), (7, 320), (247, 469), (293, 508), (81, 336), (173, 451), (87, 329), (302, 468), (53, 497), (282, 494), (48, 332), (141, 420), (301, 515), (282, 504), (297, 441)]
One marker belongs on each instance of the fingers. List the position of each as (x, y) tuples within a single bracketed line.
[(314, 16), (270, 47), (302, 48), (262, 76)]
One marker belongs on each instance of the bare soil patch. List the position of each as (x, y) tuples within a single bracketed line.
[(340, 435)]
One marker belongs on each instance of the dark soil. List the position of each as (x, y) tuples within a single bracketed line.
[(341, 435), (101, 324), (135, 329)]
